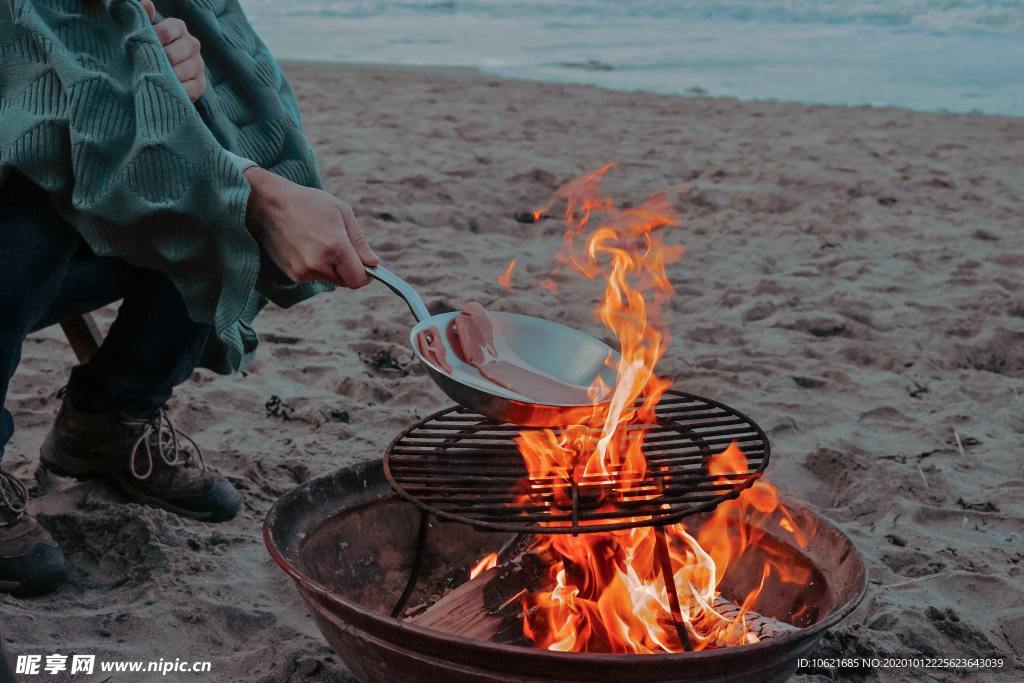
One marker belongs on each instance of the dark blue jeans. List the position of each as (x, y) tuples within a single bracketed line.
[(48, 273)]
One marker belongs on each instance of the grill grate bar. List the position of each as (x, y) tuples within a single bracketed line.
[(513, 472), (529, 487), (443, 449), (639, 499), (502, 430), (465, 468)]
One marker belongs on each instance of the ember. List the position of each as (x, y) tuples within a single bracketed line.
[(505, 279), (489, 561)]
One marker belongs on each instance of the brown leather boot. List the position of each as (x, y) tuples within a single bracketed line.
[(145, 457), (30, 561)]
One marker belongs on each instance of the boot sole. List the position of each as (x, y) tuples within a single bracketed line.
[(88, 474)]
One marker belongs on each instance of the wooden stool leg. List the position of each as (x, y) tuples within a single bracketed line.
[(83, 335)]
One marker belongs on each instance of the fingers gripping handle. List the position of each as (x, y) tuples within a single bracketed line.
[(402, 289)]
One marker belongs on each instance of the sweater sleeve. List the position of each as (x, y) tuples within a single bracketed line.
[(93, 114)]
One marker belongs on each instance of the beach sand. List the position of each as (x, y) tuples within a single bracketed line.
[(854, 281)]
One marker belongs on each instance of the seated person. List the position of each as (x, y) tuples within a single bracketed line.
[(139, 164)]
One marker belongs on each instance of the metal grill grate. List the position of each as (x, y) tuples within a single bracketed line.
[(465, 468)]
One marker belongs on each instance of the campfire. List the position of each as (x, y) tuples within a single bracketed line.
[(640, 588), (634, 533)]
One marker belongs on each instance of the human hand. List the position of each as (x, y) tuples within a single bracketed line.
[(182, 50), (308, 233)]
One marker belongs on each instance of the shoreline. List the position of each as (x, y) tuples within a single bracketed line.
[(474, 72), (909, 54), (481, 73)]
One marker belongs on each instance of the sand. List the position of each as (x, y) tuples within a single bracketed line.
[(854, 280)]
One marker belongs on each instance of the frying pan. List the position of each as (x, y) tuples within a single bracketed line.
[(565, 354)]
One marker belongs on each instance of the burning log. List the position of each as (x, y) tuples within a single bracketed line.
[(765, 628), (489, 606)]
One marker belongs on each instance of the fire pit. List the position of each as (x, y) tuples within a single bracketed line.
[(369, 564), (634, 540)]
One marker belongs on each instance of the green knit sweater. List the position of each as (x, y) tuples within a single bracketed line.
[(91, 112)]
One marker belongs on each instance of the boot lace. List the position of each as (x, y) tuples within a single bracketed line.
[(160, 441), (13, 494)]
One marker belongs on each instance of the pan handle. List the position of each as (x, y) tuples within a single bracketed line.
[(402, 289)]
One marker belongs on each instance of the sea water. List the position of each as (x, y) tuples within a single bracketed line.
[(955, 55)]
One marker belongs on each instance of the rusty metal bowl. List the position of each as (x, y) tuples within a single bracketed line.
[(348, 543)]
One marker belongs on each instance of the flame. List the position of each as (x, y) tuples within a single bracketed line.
[(486, 562), (606, 591), (505, 279)]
